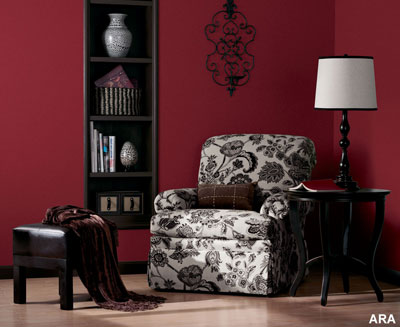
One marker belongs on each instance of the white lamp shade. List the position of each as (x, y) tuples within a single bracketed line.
[(345, 83)]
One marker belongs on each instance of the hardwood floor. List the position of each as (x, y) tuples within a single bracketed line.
[(190, 309)]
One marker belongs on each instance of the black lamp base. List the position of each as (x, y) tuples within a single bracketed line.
[(344, 180), (347, 184)]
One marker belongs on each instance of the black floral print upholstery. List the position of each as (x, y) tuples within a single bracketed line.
[(274, 161), (238, 251)]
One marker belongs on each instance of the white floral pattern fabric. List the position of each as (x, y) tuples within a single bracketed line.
[(211, 223), (241, 251), (179, 199), (276, 162), (232, 266)]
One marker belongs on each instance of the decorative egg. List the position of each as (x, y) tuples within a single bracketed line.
[(129, 155)]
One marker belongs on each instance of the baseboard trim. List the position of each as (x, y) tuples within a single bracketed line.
[(132, 267), (125, 268), (388, 275)]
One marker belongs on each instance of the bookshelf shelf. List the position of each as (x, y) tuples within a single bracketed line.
[(137, 222), (122, 174), (122, 60), (140, 65), (121, 118), (122, 2)]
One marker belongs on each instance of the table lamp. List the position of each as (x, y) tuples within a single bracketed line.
[(345, 83)]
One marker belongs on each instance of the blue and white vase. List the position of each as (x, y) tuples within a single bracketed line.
[(117, 38)]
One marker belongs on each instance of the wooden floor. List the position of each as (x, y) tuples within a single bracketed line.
[(186, 309)]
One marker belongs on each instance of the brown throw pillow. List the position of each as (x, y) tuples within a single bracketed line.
[(236, 196)]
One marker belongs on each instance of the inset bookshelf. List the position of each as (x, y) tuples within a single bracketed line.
[(122, 60), (140, 64)]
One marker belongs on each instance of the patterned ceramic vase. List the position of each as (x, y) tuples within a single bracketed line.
[(129, 155), (117, 38)]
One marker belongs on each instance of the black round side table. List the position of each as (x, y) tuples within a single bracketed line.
[(324, 198)]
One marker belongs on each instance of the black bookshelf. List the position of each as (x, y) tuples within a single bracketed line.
[(141, 64), (148, 3), (122, 174), (121, 118), (122, 60)]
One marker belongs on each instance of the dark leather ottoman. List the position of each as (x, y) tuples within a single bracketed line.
[(48, 247)]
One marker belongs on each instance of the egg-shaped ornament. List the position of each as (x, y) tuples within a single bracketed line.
[(129, 155)]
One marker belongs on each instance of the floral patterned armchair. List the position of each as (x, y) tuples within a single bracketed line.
[(220, 250)]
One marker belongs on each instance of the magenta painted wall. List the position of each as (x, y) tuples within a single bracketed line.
[(372, 28), (41, 126)]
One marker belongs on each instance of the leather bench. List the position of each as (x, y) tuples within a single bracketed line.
[(47, 247)]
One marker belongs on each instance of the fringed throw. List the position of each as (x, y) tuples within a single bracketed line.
[(98, 264)]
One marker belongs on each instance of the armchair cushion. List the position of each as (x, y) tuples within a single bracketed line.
[(212, 223), (237, 196), (179, 199)]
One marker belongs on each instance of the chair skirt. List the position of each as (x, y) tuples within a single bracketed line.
[(218, 265)]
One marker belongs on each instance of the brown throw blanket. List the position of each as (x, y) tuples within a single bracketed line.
[(98, 264)]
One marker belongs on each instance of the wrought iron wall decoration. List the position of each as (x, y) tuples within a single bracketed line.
[(230, 62)]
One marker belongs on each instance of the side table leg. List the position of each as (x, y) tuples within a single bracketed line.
[(376, 235), (346, 233), (298, 234), (325, 242)]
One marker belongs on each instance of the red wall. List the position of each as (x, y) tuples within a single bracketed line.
[(42, 101), (279, 97), (372, 28), (41, 122)]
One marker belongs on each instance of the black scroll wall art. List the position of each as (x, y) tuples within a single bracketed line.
[(230, 62)]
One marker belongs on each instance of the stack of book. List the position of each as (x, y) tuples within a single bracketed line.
[(103, 153)]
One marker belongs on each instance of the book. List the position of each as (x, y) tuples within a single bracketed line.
[(318, 185), (106, 154), (92, 153), (95, 141), (101, 152), (112, 152), (98, 152)]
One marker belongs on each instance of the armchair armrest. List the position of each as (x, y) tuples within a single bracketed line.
[(179, 199), (277, 206)]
